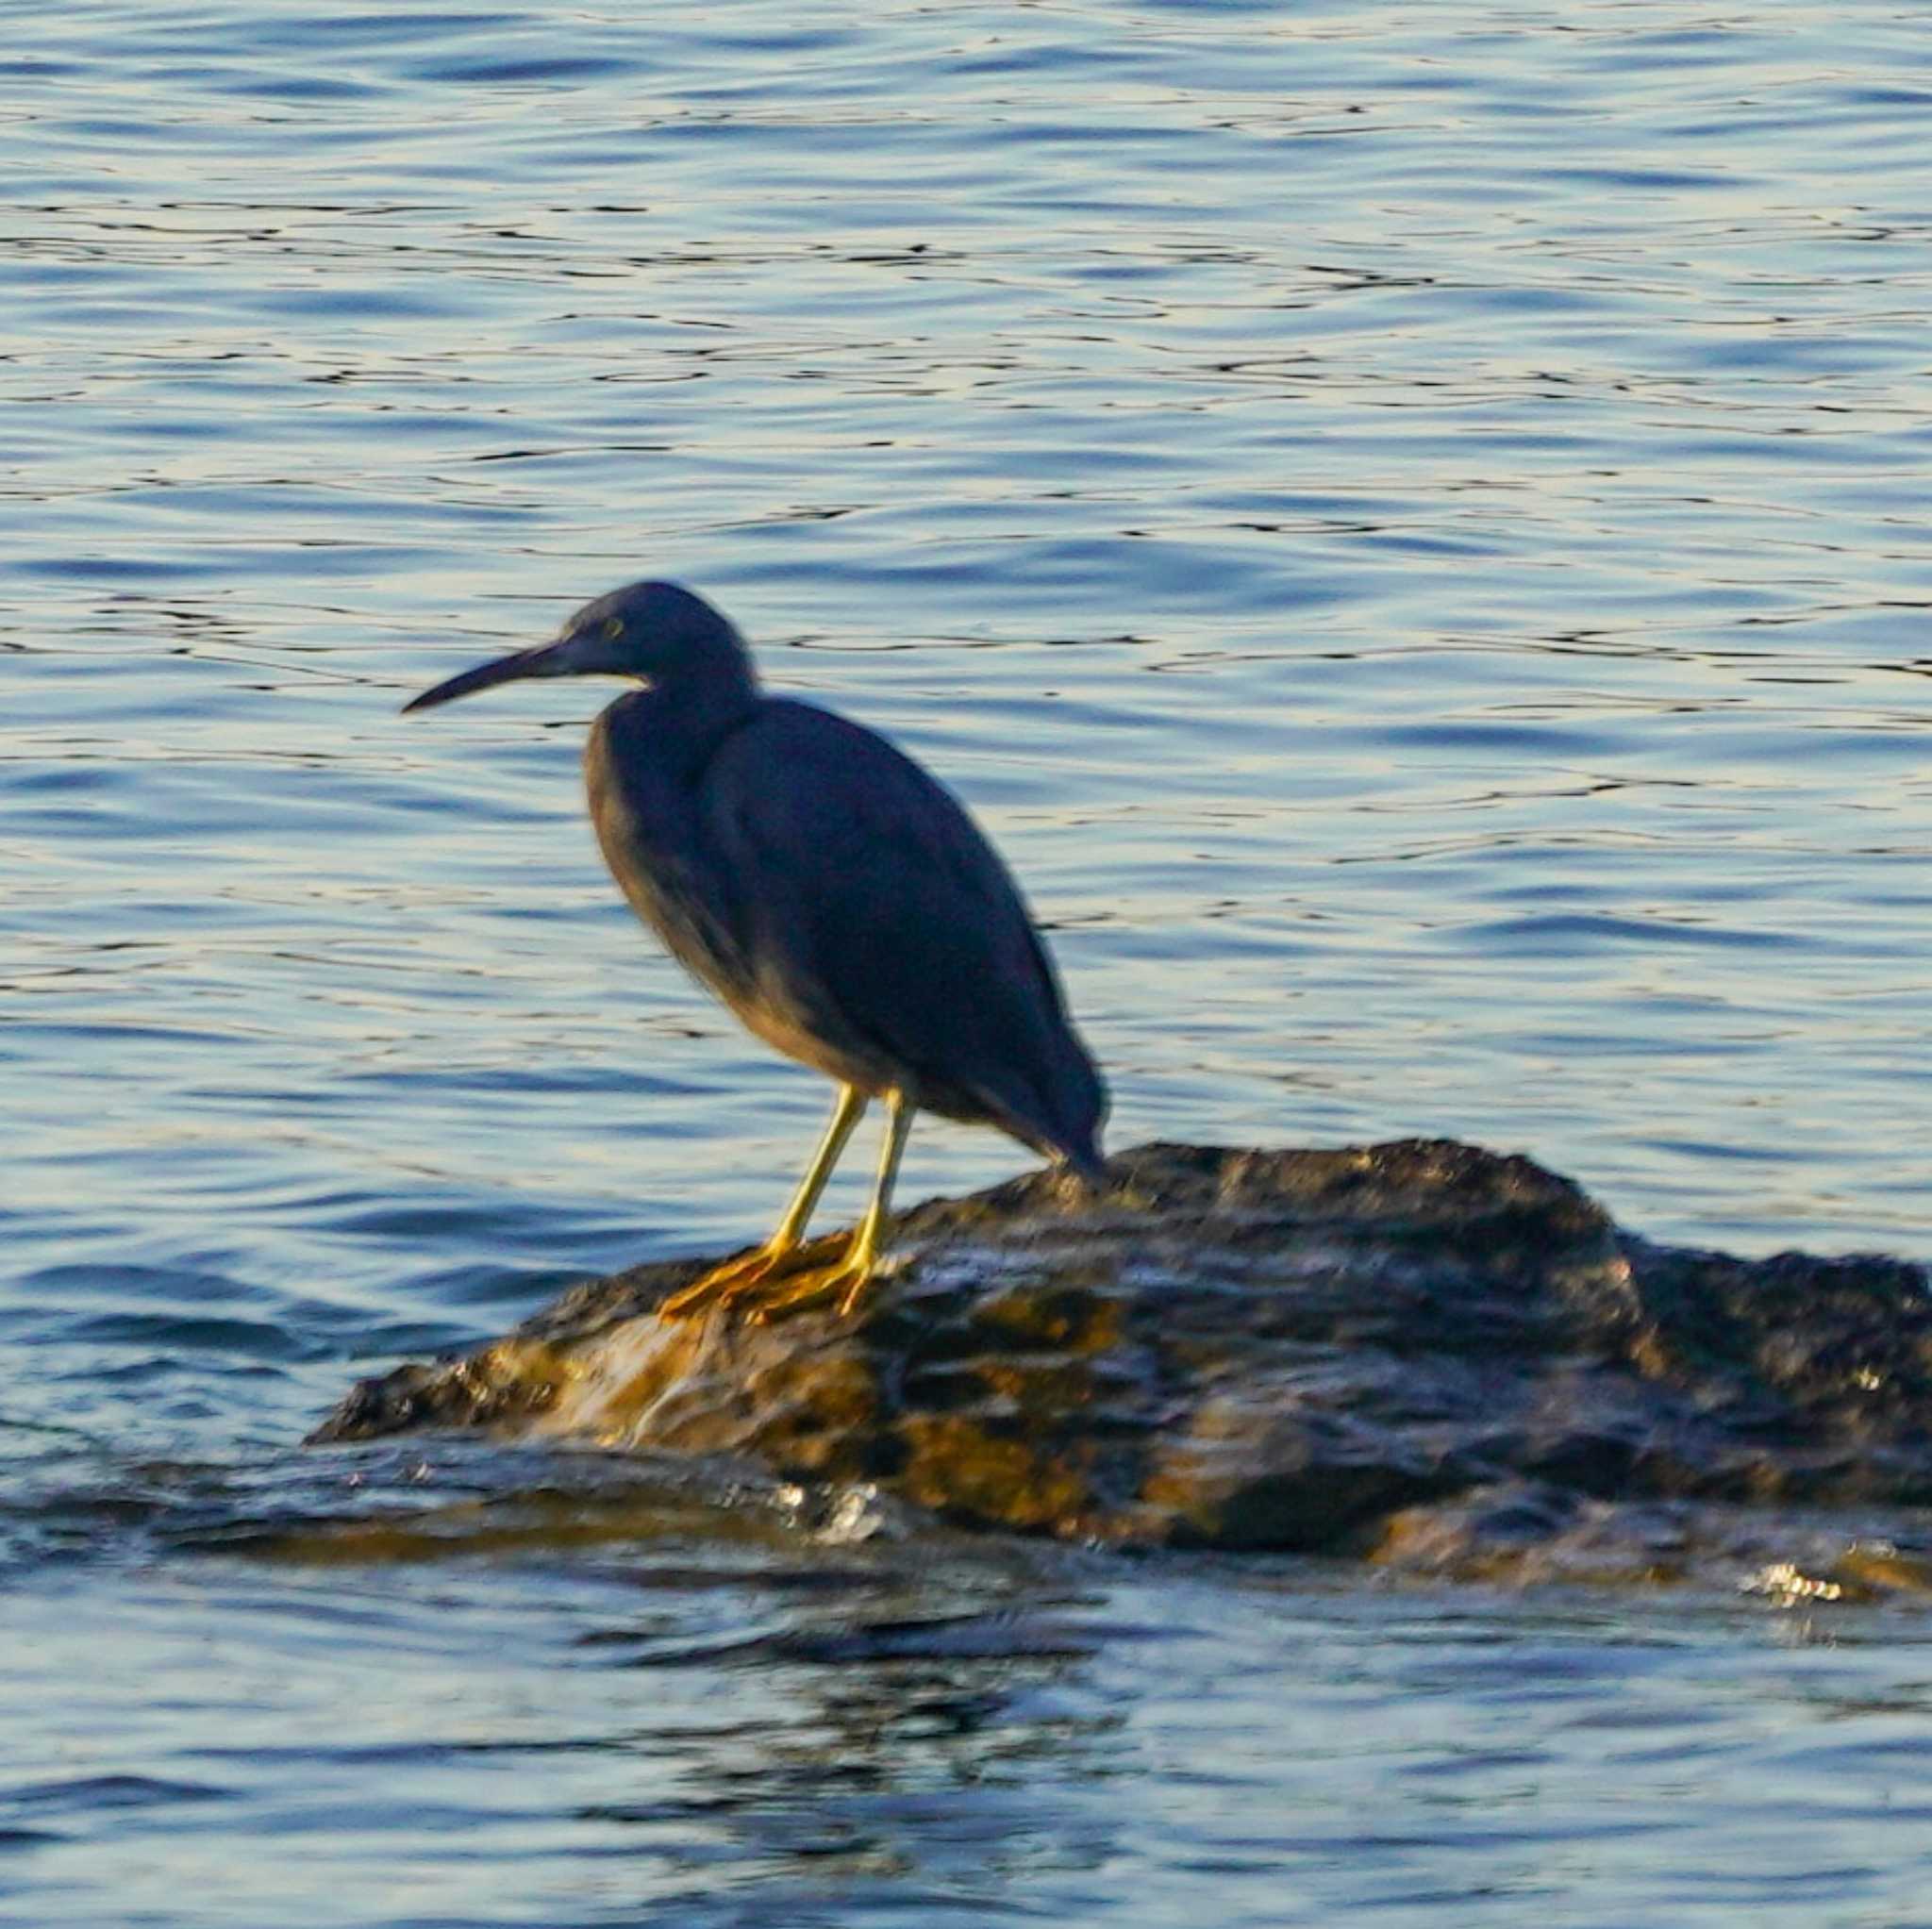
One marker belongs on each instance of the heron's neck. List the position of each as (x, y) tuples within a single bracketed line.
[(686, 719)]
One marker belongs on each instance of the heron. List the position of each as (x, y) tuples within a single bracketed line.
[(834, 895)]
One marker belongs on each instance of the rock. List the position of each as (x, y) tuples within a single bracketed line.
[(1435, 1356)]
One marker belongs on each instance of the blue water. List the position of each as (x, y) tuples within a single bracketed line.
[(1406, 522)]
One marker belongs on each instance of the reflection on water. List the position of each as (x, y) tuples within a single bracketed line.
[(1407, 523), (693, 1731)]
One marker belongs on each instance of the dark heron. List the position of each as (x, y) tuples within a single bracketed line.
[(836, 897)]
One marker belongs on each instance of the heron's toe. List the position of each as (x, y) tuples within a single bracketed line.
[(724, 1286), (847, 1281)]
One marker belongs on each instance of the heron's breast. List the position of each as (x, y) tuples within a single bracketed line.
[(646, 828)]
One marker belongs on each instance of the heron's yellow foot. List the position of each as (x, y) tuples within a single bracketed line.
[(849, 1280), (736, 1280)]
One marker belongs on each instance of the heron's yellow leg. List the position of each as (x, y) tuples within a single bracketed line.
[(738, 1278), (854, 1273)]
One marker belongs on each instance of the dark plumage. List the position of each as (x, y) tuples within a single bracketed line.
[(836, 897)]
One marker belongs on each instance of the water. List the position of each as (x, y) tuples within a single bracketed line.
[(1406, 522)]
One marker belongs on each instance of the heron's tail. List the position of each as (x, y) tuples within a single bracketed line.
[(1088, 1160), (1076, 1140), (1060, 1117)]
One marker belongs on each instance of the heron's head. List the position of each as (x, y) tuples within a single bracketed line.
[(654, 632)]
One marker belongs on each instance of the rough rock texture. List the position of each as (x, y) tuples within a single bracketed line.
[(1438, 1357)]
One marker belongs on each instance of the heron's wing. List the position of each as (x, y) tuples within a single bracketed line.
[(866, 891)]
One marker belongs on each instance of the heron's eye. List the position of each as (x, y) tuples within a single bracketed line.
[(613, 627)]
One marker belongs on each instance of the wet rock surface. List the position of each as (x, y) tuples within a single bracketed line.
[(1435, 1357)]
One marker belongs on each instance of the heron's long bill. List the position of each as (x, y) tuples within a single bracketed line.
[(543, 661)]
